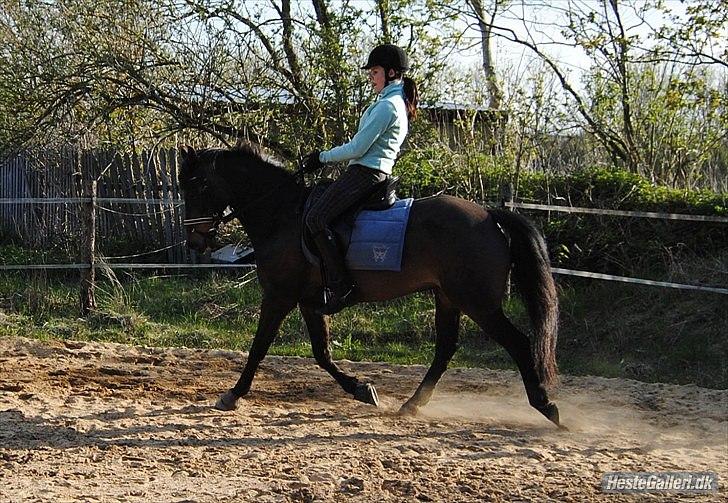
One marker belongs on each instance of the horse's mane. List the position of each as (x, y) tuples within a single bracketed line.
[(255, 150), (247, 165), (247, 151)]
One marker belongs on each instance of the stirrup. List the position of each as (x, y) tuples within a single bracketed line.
[(335, 303)]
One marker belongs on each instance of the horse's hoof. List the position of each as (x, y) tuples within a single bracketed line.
[(366, 393), (227, 401), (408, 409), (551, 411)]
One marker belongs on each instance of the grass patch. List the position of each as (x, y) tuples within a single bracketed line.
[(607, 329), (645, 333)]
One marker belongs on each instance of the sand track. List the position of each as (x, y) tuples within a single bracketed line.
[(106, 422)]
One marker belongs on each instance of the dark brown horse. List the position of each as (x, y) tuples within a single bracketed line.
[(453, 247)]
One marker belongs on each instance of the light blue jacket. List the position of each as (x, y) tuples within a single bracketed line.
[(382, 130)]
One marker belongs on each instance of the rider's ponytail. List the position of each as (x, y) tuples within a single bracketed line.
[(411, 97)]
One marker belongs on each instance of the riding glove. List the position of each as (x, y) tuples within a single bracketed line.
[(311, 162)]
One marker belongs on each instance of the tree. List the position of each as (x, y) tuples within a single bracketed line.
[(609, 104), (698, 36), (282, 73), (485, 26), (479, 16), (85, 68)]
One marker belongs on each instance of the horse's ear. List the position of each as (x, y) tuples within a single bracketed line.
[(187, 153)]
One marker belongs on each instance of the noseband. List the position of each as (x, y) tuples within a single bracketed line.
[(214, 221), (201, 220)]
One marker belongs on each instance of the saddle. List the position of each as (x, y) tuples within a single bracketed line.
[(382, 197)]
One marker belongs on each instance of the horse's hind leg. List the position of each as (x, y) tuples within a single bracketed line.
[(272, 313), (447, 322), (318, 332), (516, 343)]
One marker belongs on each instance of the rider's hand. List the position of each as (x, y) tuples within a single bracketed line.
[(311, 162)]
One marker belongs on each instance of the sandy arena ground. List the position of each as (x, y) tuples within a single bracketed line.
[(105, 422)]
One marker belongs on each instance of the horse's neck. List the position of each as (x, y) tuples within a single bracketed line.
[(270, 209)]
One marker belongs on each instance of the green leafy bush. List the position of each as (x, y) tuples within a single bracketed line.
[(607, 244)]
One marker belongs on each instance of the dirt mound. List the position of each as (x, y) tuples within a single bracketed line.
[(105, 422)]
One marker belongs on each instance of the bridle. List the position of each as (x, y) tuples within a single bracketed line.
[(218, 218), (213, 223)]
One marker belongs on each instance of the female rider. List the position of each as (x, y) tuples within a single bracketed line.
[(371, 154)]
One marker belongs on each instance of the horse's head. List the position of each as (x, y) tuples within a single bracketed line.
[(254, 185), (205, 195)]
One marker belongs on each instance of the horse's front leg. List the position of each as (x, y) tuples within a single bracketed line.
[(272, 314), (318, 331)]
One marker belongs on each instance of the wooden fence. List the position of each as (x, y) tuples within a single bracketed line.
[(149, 178), (46, 196)]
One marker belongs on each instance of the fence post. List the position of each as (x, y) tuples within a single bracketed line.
[(506, 196), (88, 250)]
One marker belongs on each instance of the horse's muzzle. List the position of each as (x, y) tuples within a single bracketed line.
[(197, 242)]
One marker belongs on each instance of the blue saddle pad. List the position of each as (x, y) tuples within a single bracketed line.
[(377, 241)]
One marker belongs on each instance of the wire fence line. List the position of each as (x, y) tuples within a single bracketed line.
[(120, 265), (172, 204), (42, 192), (82, 200), (527, 206), (555, 270), (618, 213), (629, 214), (638, 281), (175, 203)]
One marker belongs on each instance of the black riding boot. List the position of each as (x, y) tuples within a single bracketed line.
[(338, 286)]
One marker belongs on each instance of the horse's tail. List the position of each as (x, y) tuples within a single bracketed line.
[(532, 274)]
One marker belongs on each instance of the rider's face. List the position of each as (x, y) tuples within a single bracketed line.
[(376, 77)]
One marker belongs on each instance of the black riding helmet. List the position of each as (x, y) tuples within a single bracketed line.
[(388, 56)]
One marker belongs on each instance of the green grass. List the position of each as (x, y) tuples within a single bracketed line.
[(607, 329)]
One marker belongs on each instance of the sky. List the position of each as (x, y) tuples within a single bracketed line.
[(544, 24)]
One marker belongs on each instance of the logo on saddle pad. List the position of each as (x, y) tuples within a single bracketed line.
[(379, 252)]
